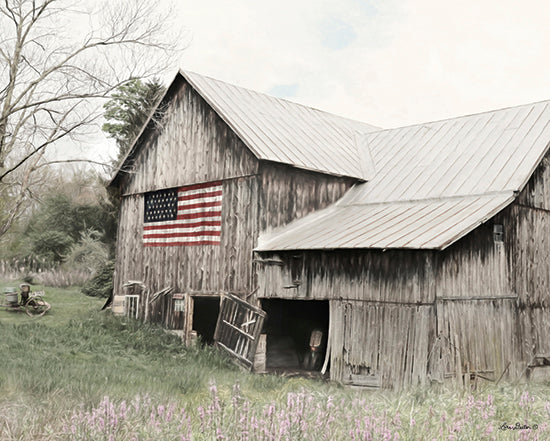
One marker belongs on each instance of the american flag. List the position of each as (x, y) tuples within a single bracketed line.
[(190, 215)]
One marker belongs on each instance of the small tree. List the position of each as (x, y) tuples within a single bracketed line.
[(126, 112), (128, 109)]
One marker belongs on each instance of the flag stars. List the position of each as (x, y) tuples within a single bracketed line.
[(161, 206)]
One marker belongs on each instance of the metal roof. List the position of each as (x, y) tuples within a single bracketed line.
[(278, 130), (433, 183), (431, 224)]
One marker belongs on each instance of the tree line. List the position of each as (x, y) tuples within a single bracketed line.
[(57, 81)]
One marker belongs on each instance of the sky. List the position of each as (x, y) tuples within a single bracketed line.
[(386, 62)]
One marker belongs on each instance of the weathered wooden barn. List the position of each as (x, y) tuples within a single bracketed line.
[(421, 252)]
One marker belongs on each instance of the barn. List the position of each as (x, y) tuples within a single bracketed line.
[(417, 254)]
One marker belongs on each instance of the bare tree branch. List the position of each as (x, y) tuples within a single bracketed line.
[(53, 78), (72, 161)]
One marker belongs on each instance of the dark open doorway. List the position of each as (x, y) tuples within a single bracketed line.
[(205, 316), (290, 327)]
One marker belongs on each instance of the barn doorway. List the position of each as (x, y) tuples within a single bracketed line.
[(290, 327), (205, 316)]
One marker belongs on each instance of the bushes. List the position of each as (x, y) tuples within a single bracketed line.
[(65, 240), (101, 284), (61, 226), (51, 246)]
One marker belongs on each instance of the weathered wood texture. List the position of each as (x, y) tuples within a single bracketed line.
[(288, 193), (381, 309), (190, 145), (480, 337), (431, 314), (208, 268), (193, 145), (387, 342), (475, 266), (397, 317), (536, 193), (507, 320), (527, 223), (528, 240), (391, 276), (161, 311), (238, 329)]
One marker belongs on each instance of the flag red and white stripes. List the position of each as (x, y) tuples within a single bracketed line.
[(190, 215)]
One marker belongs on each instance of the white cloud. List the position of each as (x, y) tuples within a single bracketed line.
[(385, 62), (409, 61)]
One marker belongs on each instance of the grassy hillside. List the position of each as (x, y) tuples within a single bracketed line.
[(79, 373)]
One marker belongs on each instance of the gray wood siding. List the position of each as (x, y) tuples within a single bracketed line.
[(289, 193), (382, 308), (192, 144), (207, 268), (431, 314), (529, 243), (390, 276), (475, 266), (528, 227), (536, 193), (475, 336), (387, 343), (129, 249), (400, 316)]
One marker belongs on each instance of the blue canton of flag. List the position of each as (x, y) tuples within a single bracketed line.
[(161, 206)]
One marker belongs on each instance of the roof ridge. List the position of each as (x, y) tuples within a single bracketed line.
[(467, 115), (184, 73), (487, 194)]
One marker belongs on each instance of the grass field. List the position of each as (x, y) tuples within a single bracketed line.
[(79, 373)]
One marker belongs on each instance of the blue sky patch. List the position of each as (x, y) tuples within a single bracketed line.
[(367, 7), (337, 34), (284, 90)]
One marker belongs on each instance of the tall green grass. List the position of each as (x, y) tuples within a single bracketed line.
[(57, 370), (82, 353), (87, 353)]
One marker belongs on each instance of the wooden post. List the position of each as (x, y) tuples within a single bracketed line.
[(261, 354), (458, 363)]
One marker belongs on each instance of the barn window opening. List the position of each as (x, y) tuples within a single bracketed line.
[(498, 233), (296, 333), (205, 316)]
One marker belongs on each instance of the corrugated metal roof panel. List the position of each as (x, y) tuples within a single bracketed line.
[(425, 224), (433, 183), (477, 154), (282, 131)]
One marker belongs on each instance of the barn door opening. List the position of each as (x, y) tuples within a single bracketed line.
[(205, 316), (238, 329), (293, 327)]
